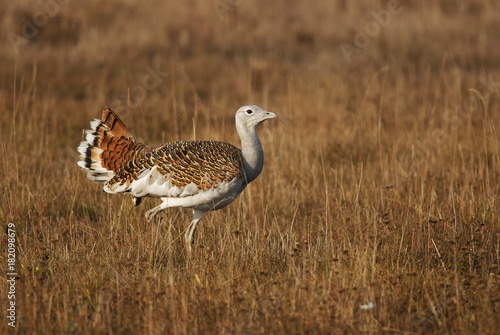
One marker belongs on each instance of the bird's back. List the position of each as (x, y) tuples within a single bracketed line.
[(173, 168)]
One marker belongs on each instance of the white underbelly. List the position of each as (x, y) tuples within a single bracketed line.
[(211, 199), (153, 184)]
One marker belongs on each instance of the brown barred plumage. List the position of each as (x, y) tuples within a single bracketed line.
[(202, 163)]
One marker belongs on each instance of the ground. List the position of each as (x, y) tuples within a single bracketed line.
[(378, 207)]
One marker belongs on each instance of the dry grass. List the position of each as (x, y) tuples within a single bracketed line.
[(381, 180)]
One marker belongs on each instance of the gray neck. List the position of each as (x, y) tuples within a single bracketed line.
[(253, 155)]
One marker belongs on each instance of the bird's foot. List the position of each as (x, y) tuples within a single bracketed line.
[(151, 216), (189, 247), (189, 239)]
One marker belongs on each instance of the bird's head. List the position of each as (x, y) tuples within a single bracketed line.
[(251, 116)]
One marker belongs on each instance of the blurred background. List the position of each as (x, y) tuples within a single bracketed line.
[(228, 52)]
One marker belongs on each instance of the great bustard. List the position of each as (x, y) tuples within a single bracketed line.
[(202, 175)]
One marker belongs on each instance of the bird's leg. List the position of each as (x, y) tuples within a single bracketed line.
[(189, 235), (151, 214)]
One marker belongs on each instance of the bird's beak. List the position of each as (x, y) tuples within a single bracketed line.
[(269, 115)]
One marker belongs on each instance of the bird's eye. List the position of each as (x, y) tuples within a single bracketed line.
[(249, 111)]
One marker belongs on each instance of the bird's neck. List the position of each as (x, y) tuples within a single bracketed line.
[(251, 149)]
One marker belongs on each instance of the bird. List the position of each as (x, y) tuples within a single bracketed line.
[(202, 175)]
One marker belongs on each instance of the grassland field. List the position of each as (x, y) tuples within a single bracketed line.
[(377, 211)]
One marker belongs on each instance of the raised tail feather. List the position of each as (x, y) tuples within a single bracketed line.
[(108, 146)]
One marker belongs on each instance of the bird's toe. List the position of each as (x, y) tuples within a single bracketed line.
[(150, 216)]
